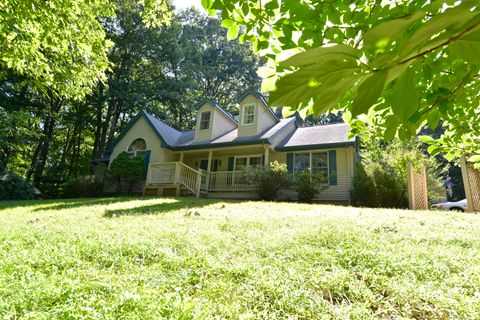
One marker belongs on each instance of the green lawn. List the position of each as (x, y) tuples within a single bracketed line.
[(141, 258)]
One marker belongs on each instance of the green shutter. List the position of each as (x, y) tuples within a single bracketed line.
[(263, 160), (146, 158), (230, 163), (290, 162), (332, 167)]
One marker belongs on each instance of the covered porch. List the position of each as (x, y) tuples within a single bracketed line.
[(208, 170)]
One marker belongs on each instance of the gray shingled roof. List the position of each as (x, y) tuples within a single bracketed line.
[(169, 134), (318, 135), (232, 137)]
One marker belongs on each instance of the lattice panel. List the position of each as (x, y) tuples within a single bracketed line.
[(474, 179), (417, 189)]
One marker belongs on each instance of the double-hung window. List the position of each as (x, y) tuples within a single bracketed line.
[(205, 120), (248, 114), (315, 163), (247, 162)]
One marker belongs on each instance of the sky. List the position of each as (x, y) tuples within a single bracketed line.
[(183, 4)]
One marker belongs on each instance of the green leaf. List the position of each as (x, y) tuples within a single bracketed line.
[(227, 23), (386, 32), (313, 80), (433, 150), (404, 98), (426, 139), (318, 55), (467, 47), (369, 92), (232, 32)]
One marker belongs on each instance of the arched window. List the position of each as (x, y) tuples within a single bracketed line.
[(137, 148)]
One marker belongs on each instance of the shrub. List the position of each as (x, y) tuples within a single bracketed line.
[(308, 186), (270, 180), (14, 187), (84, 186), (128, 169), (381, 180), (363, 188)]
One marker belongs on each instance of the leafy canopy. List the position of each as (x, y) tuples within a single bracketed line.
[(60, 46), (410, 63)]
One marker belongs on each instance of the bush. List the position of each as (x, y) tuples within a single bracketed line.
[(128, 169), (381, 180), (308, 186), (14, 187), (270, 180), (84, 186)]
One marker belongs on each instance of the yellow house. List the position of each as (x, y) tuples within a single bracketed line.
[(212, 160)]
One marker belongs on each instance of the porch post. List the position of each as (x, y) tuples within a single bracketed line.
[(181, 156), (267, 153), (209, 166)]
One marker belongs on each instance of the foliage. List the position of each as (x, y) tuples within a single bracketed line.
[(61, 48), (49, 139), (128, 169), (270, 180), (308, 186), (140, 258), (82, 186), (13, 186), (381, 180), (411, 63)]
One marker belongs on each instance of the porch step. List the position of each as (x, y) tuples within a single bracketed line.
[(184, 192)]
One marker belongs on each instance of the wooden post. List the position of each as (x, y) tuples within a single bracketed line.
[(181, 156), (267, 153), (176, 174), (209, 166), (198, 183), (466, 184), (424, 188), (411, 193)]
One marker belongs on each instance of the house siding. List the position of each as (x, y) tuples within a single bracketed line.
[(219, 124), (142, 130), (339, 192), (263, 118)]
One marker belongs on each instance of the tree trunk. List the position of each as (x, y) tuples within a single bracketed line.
[(55, 105)]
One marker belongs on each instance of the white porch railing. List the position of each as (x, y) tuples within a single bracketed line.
[(176, 173), (230, 181), (198, 180)]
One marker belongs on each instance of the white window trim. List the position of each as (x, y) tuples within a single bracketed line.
[(209, 120), (311, 162), (135, 152), (248, 160), (254, 114)]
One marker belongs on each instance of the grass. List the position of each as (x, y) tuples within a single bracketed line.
[(143, 258)]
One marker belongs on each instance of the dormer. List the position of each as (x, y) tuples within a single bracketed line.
[(255, 116), (212, 121)]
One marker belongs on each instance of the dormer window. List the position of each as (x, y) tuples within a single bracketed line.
[(205, 120), (248, 114)]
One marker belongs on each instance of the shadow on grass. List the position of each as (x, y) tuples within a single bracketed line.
[(59, 204), (87, 202), (178, 205)]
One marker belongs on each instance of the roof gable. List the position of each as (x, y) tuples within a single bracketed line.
[(214, 104), (259, 96)]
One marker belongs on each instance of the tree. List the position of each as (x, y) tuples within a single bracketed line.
[(411, 63), (61, 47)]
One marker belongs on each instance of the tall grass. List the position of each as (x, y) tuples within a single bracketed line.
[(140, 258)]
